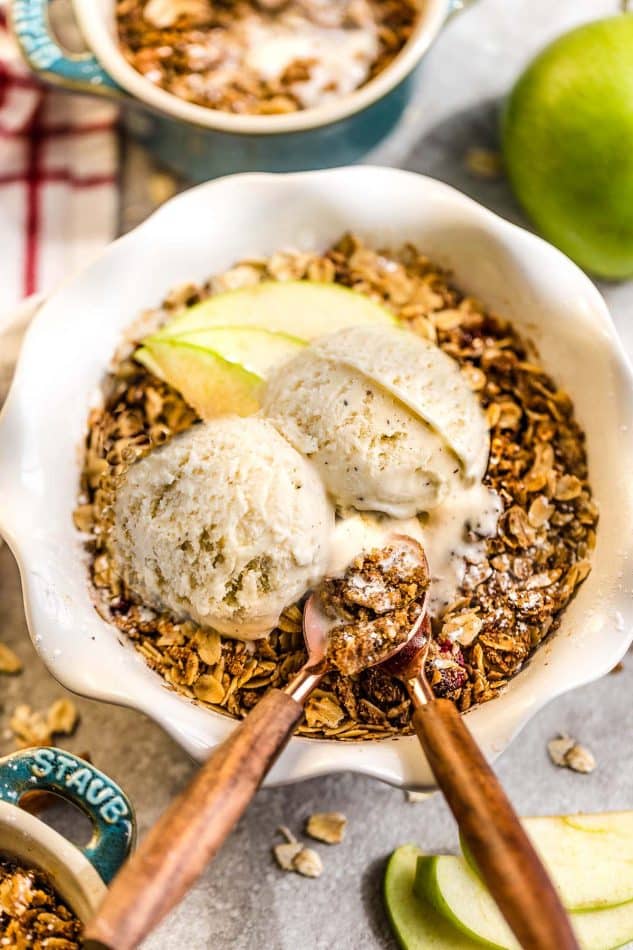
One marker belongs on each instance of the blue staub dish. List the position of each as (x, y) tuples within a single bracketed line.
[(200, 143)]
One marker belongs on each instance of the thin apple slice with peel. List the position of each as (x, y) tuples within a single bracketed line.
[(604, 929), (301, 308), (612, 822), (210, 384), (255, 350), (457, 893), (144, 356), (416, 924), (603, 842)]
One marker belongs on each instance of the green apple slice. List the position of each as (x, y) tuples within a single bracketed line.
[(604, 929), (603, 842), (422, 377), (212, 385), (456, 892), (257, 351), (416, 924), (144, 356), (301, 308)]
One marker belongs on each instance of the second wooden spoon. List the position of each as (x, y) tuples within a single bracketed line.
[(488, 823)]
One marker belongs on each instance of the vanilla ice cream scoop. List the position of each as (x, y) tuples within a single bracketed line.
[(387, 418), (226, 524), (422, 377), (371, 451)]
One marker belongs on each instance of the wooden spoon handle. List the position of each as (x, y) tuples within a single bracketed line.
[(502, 851), (182, 842)]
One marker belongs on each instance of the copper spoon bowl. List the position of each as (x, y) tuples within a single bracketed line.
[(316, 627)]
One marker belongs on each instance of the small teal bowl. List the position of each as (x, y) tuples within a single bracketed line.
[(200, 143)]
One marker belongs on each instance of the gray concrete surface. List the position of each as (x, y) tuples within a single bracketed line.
[(244, 902)]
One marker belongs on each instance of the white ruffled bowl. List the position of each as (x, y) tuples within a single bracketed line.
[(71, 340)]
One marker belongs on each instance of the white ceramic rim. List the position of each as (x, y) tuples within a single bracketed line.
[(597, 627), (100, 39), (32, 841)]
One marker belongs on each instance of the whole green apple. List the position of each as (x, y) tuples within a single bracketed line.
[(567, 137)]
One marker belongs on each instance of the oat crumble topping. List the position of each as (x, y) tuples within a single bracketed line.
[(374, 605), (262, 57), (510, 602), (376, 583), (32, 916)]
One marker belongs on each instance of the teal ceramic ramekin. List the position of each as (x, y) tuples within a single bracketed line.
[(202, 143), (79, 875)]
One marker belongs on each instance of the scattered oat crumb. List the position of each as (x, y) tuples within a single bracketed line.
[(287, 833), (62, 717), (558, 749), (580, 759), (292, 856), (484, 163), (414, 797), (285, 854), (567, 753), (161, 187), (9, 661), (617, 668), (327, 826), (308, 863), (30, 727)]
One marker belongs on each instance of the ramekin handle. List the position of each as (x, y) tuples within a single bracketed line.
[(59, 771), (39, 47)]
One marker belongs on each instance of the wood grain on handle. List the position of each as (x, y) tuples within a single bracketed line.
[(191, 831), (504, 854)]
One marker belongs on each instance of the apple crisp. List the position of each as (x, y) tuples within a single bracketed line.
[(262, 57), (32, 915), (509, 602)]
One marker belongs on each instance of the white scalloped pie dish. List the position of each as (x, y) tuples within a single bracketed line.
[(69, 345)]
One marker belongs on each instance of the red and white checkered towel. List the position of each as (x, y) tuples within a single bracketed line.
[(58, 180)]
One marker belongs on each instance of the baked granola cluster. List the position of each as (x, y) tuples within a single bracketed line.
[(207, 52), (374, 606), (510, 601), (32, 916)]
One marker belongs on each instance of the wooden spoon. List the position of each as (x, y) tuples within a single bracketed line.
[(188, 835), (491, 828)]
